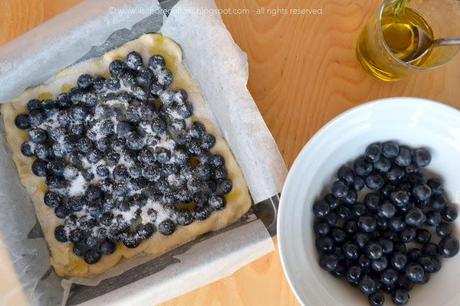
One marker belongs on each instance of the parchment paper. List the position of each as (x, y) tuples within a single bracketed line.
[(220, 67)]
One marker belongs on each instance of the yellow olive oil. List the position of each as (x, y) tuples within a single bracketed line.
[(382, 56)]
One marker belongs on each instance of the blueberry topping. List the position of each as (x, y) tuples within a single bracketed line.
[(92, 256), (129, 150), (60, 233), (22, 121), (166, 227)]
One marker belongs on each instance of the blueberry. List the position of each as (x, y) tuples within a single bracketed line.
[(164, 77), (112, 158), (70, 172), (415, 273), (400, 247), (379, 264), (33, 104), (436, 187), (107, 247), (422, 157), (364, 263), (373, 152), (321, 208), (339, 189), (398, 261), (407, 235), (331, 218), (22, 121), (448, 246), (39, 167), (27, 149), (41, 151), (367, 223), (36, 117), (144, 77), (367, 285), (112, 83), (351, 197), (376, 299), (449, 214), (430, 249), (135, 142), (400, 198), (156, 61), (325, 244), (415, 217), (338, 235), (102, 171), (166, 227), (60, 233), (224, 187), (346, 174), (93, 193), (395, 175), (75, 204), (120, 173), (217, 202), (358, 183), (375, 182), (321, 228), (443, 229), (387, 246), (145, 231), (329, 262), (404, 157), (389, 276), (85, 81), (382, 165), (87, 99), (438, 202), (162, 155), (427, 263), (116, 68), (400, 297), (52, 199), (390, 149), (37, 135), (354, 274), (361, 239), (422, 192), (372, 201), (208, 141), (433, 218), (92, 256), (387, 210), (362, 167), (374, 250), (396, 224), (134, 60), (359, 210)]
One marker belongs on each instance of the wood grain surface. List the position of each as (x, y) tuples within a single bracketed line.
[(303, 72)]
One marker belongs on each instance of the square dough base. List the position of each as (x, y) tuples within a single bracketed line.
[(65, 263)]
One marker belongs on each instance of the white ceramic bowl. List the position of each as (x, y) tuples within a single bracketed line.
[(411, 121)]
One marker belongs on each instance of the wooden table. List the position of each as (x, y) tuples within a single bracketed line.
[(303, 72)]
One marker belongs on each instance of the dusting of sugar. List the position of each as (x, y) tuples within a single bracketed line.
[(77, 186)]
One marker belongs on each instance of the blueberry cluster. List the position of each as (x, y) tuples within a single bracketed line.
[(385, 225), (122, 158)]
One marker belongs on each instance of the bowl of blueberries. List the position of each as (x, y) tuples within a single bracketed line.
[(368, 212)]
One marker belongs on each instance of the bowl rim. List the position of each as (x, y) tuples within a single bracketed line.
[(290, 176)]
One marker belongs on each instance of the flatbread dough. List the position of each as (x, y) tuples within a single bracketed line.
[(65, 263)]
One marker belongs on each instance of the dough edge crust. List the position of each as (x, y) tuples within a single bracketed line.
[(65, 263)]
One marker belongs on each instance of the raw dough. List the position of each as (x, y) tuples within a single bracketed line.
[(67, 264)]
